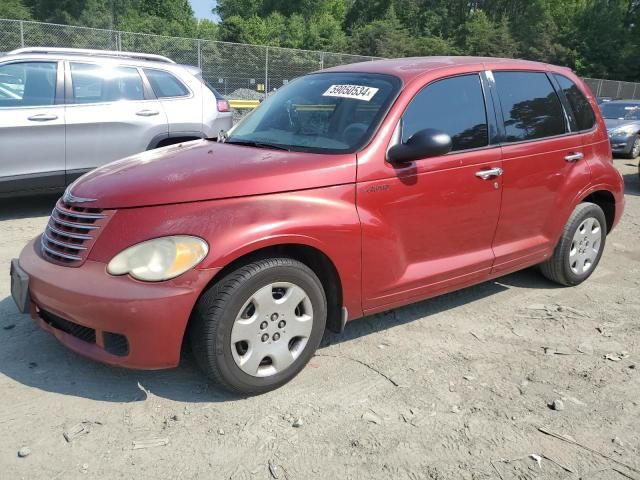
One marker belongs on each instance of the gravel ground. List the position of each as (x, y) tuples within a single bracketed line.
[(458, 387)]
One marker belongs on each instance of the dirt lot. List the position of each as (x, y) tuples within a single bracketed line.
[(452, 388)]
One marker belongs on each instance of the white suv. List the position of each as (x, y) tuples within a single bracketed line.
[(66, 111)]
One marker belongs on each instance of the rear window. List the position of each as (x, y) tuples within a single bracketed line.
[(582, 111), (530, 106), (165, 85)]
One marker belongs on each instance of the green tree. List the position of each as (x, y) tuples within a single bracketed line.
[(386, 37), (14, 9), (480, 36)]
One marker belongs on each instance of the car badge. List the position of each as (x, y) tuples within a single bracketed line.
[(68, 197)]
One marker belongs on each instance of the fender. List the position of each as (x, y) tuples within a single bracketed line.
[(324, 219)]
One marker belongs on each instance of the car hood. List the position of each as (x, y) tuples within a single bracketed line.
[(206, 170), (612, 123)]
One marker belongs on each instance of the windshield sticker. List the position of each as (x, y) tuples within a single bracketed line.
[(357, 92)]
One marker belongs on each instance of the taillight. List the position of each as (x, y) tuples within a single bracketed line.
[(223, 106)]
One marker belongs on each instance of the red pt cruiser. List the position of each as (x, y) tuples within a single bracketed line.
[(348, 192)]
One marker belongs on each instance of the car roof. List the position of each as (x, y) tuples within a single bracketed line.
[(409, 68), (97, 56)]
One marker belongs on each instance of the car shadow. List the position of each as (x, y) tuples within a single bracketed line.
[(27, 207), (34, 358)]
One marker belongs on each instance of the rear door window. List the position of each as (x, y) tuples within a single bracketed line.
[(453, 105), (582, 111), (93, 83), (530, 106), (165, 85), (28, 84)]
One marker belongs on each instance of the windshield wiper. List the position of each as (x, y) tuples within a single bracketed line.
[(252, 143)]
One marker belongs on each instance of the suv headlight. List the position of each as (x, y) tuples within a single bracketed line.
[(623, 131), (159, 259)]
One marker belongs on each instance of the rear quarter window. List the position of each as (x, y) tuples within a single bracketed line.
[(165, 84), (530, 106), (582, 111)]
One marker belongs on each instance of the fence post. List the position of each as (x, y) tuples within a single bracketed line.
[(119, 41), (266, 72), (321, 60), (21, 33), (635, 85), (619, 88), (200, 54)]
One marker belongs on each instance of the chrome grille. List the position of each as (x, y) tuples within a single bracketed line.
[(71, 232)]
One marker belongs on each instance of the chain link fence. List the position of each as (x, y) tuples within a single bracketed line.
[(236, 70), (614, 89), (239, 71)]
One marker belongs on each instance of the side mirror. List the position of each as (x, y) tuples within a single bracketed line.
[(422, 144)]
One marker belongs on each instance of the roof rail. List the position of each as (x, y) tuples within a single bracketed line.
[(92, 53)]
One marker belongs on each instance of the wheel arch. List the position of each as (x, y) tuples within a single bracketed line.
[(166, 139), (607, 202), (313, 257)]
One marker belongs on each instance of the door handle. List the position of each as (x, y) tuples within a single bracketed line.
[(574, 157), (147, 113), (43, 117), (491, 173)]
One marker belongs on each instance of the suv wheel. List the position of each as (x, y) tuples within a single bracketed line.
[(257, 327), (579, 250)]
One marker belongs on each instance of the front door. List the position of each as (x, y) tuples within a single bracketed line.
[(429, 227), (32, 148)]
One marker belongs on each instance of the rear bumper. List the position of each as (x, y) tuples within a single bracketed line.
[(114, 320)]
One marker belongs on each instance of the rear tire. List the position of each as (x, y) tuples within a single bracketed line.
[(256, 328), (580, 248)]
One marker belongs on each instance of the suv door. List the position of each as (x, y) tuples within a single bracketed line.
[(543, 168), (429, 226), (32, 148), (183, 106), (110, 115)]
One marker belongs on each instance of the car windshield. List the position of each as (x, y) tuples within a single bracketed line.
[(621, 111), (320, 113)]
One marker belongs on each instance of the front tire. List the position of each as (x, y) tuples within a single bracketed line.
[(580, 247), (256, 328)]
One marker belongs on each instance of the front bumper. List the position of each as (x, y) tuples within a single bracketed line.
[(114, 320), (622, 145)]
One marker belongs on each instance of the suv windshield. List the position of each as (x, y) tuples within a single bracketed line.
[(621, 111), (320, 113)]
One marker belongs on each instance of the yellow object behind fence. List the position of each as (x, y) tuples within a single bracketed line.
[(241, 104)]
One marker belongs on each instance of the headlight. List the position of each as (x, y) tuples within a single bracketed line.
[(626, 131), (159, 259)]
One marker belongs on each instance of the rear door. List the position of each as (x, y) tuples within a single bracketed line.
[(543, 167), (182, 103), (110, 115), (32, 147)]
